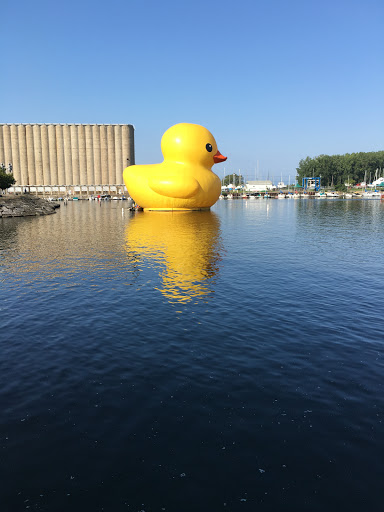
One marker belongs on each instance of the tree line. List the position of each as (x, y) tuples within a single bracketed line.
[(336, 170)]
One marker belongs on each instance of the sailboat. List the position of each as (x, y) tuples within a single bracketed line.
[(372, 194), (348, 194)]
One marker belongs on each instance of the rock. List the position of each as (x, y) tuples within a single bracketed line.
[(25, 206)]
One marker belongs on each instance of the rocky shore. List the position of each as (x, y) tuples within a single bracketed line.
[(25, 206)]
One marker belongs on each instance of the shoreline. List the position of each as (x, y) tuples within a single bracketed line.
[(25, 206)]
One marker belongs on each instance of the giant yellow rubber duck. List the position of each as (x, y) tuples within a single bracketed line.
[(184, 180)]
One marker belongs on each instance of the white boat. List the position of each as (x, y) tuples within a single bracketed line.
[(229, 196), (221, 196), (332, 194), (320, 195), (372, 195), (347, 195), (281, 196)]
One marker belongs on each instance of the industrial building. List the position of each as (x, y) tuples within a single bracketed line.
[(70, 159)]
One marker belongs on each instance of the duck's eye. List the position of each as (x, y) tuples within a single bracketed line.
[(209, 147)]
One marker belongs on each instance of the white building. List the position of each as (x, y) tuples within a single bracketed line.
[(378, 182), (259, 186)]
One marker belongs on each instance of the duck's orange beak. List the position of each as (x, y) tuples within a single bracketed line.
[(219, 158)]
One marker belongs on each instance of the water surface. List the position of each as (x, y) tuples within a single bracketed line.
[(223, 360)]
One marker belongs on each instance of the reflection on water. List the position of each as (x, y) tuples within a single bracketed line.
[(78, 244), (184, 246), (94, 244), (346, 219)]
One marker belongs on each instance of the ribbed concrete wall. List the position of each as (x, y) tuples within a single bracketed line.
[(67, 154), (15, 146), (75, 154), (23, 151), (28, 176), (52, 153), (45, 148), (7, 145), (104, 153)]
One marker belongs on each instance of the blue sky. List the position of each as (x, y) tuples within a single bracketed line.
[(274, 81)]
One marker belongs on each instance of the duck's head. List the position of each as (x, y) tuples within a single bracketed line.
[(190, 143)]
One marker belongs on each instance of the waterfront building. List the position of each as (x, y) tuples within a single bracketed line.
[(70, 159), (258, 186)]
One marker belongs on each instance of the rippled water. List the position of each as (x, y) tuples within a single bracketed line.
[(223, 360)]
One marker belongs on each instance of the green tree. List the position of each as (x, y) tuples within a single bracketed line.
[(233, 179), (6, 179), (339, 169)]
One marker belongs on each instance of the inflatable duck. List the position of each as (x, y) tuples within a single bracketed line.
[(184, 180)]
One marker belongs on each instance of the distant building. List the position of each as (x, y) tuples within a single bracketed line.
[(67, 158), (377, 183), (312, 183), (258, 186)]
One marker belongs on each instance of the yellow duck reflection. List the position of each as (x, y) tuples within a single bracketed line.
[(184, 245)]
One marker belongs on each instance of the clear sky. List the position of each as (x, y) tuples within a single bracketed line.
[(273, 80)]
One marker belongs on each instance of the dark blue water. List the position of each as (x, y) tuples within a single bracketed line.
[(229, 360)]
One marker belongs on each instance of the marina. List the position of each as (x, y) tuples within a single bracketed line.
[(307, 195)]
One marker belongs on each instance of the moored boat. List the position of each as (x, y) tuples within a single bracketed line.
[(374, 194)]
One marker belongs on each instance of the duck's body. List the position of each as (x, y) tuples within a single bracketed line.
[(184, 181), (172, 186)]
